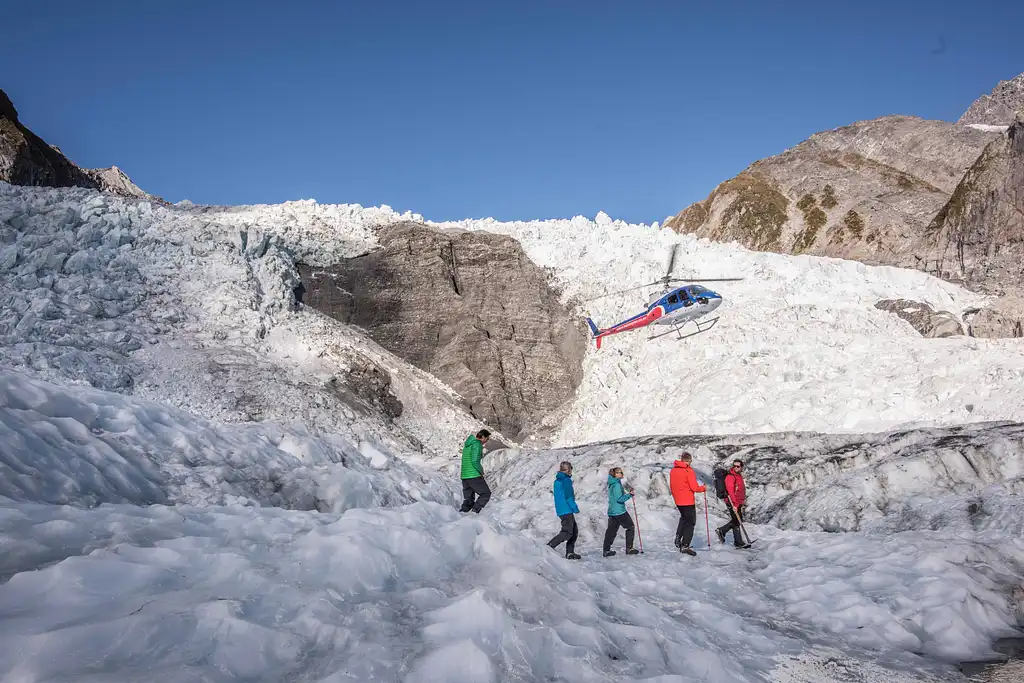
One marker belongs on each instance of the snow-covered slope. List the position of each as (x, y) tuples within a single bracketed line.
[(220, 587), (799, 345), (194, 307)]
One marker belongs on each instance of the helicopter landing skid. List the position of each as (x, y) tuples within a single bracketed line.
[(707, 325)]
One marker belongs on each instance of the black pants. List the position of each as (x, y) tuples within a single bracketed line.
[(568, 533), (471, 488), (623, 521), (687, 520), (734, 525)]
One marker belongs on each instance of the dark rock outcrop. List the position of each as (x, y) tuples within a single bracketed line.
[(26, 159), (372, 385), (923, 318), (468, 307)]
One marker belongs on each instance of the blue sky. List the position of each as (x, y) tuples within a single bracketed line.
[(515, 110)]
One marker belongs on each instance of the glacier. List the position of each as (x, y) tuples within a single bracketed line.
[(188, 492)]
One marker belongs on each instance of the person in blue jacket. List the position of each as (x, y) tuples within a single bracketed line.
[(617, 515), (565, 508)]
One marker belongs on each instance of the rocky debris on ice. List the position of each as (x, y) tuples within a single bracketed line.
[(923, 318)]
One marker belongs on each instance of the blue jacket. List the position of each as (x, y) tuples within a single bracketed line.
[(616, 497), (565, 497)]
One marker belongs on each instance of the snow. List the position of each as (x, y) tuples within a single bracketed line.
[(207, 577), (83, 446), (988, 128), (190, 491)]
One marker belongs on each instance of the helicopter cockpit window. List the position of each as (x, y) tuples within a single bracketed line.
[(697, 289)]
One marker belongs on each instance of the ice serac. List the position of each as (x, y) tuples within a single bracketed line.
[(977, 238), (25, 159), (998, 108), (470, 308)]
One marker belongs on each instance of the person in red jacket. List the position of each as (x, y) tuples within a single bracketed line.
[(736, 496), (683, 482)]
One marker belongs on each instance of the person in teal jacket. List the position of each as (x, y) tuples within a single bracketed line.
[(473, 483), (617, 515), (566, 509)]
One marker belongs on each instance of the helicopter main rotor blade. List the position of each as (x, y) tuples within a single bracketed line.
[(671, 260), (705, 279), (621, 291)]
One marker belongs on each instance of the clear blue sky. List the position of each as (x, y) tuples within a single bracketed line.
[(468, 109)]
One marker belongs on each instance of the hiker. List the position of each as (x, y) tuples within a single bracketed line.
[(473, 483), (683, 482), (736, 496), (565, 508), (617, 515)]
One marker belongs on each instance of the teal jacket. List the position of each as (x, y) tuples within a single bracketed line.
[(472, 450), (616, 497), (565, 496)]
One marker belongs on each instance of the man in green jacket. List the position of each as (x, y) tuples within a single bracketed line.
[(473, 484)]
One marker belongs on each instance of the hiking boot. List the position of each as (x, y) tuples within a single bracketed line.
[(742, 546), (721, 535), (678, 543), (687, 549), (572, 556), (609, 553), (632, 551)]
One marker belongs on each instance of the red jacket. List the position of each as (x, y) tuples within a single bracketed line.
[(735, 487), (683, 481)]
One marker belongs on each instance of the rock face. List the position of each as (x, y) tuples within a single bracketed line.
[(468, 307), (26, 159), (924, 319), (858, 192), (977, 238), (1000, 107), (114, 181)]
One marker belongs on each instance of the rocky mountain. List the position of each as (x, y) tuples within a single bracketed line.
[(857, 192), (468, 307), (899, 191), (1000, 107), (26, 159)]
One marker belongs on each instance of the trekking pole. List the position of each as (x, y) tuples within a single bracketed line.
[(743, 528), (638, 536), (707, 524)]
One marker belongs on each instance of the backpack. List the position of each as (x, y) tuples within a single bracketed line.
[(720, 474)]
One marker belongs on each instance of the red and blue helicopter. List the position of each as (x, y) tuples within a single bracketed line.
[(674, 306)]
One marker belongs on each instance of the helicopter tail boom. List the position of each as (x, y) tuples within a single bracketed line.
[(598, 333)]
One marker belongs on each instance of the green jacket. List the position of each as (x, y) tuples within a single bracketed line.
[(471, 452)]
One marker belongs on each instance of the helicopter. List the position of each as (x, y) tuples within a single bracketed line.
[(674, 306)]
